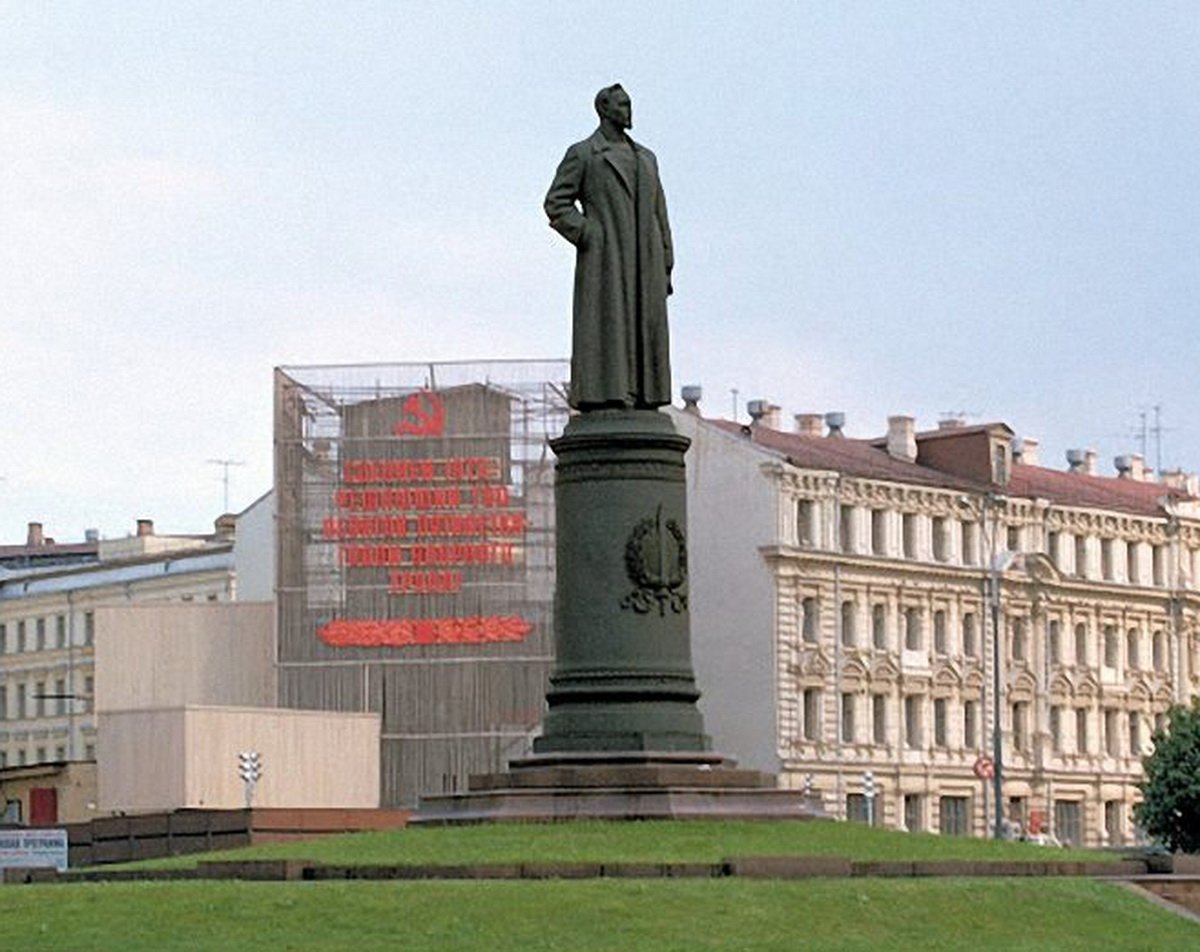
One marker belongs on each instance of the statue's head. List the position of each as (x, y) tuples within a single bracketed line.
[(613, 104)]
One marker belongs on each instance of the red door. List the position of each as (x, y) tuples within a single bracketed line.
[(43, 806)]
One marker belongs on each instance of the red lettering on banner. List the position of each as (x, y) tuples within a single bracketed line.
[(404, 632), (424, 583)]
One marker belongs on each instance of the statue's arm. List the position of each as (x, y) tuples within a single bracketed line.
[(561, 201)]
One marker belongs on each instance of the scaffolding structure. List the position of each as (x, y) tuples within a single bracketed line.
[(415, 556)]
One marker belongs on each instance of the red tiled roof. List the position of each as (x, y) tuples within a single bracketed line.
[(870, 459)]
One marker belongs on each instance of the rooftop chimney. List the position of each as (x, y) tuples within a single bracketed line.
[(902, 438), (34, 538), (808, 424), (951, 423), (756, 409), (1025, 451), (91, 535), (835, 420), (1137, 467), (1123, 466), (1089, 463), (773, 418), (145, 527), (691, 399)]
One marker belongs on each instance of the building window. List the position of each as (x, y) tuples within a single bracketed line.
[(849, 635), (1106, 559), (1112, 647), (856, 809), (1012, 539), (40, 636), (1055, 639), (89, 627), (1068, 822), (914, 812), (40, 756), (909, 532), (812, 713), (1020, 725), (879, 718), (1081, 730), (22, 757), (879, 532), (60, 754), (39, 699), (3, 759), (3, 702), (1019, 639), (3, 638), (912, 721), (60, 631), (1159, 647), (1135, 734), (1111, 743), (846, 528), (1081, 654), (970, 724), (941, 539), (1159, 557), (879, 626), (848, 718), (1054, 549), (1132, 575), (939, 631), (808, 619), (1114, 811), (89, 752), (970, 543), (1081, 556), (89, 690), (806, 523), (22, 703), (1160, 721), (912, 629), (939, 722), (21, 637), (1056, 728), (954, 816), (970, 635), (60, 697), (1131, 649)]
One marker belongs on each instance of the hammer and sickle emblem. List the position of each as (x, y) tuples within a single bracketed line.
[(424, 415)]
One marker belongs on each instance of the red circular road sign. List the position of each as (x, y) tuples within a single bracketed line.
[(984, 768)]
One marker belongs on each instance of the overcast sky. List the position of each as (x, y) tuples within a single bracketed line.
[(984, 208)]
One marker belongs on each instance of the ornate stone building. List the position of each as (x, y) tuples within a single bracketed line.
[(845, 594)]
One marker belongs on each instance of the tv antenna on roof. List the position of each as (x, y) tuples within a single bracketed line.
[(225, 464)]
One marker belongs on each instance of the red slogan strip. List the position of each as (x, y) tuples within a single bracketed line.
[(402, 632)]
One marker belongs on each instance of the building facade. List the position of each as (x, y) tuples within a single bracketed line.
[(49, 605), (857, 602)]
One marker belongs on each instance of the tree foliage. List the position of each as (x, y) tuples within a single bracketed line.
[(1170, 808)]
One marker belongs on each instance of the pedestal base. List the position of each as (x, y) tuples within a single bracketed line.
[(633, 786)]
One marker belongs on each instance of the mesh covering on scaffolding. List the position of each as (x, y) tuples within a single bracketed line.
[(416, 556)]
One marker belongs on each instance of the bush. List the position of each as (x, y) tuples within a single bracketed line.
[(1170, 808)]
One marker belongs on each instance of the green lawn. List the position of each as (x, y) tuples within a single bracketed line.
[(664, 842), (611, 915)]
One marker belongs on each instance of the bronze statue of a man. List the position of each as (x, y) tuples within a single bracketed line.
[(620, 355)]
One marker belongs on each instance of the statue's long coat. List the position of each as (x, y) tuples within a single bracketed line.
[(620, 353)]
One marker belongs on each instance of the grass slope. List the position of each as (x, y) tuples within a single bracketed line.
[(1010, 914), (692, 841)]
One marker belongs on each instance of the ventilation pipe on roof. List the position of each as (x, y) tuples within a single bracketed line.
[(757, 410), (691, 394), (808, 424), (1131, 466), (951, 423), (34, 537), (902, 438), (836, 421), (145, 527), (1075, 460), (91, 535)]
